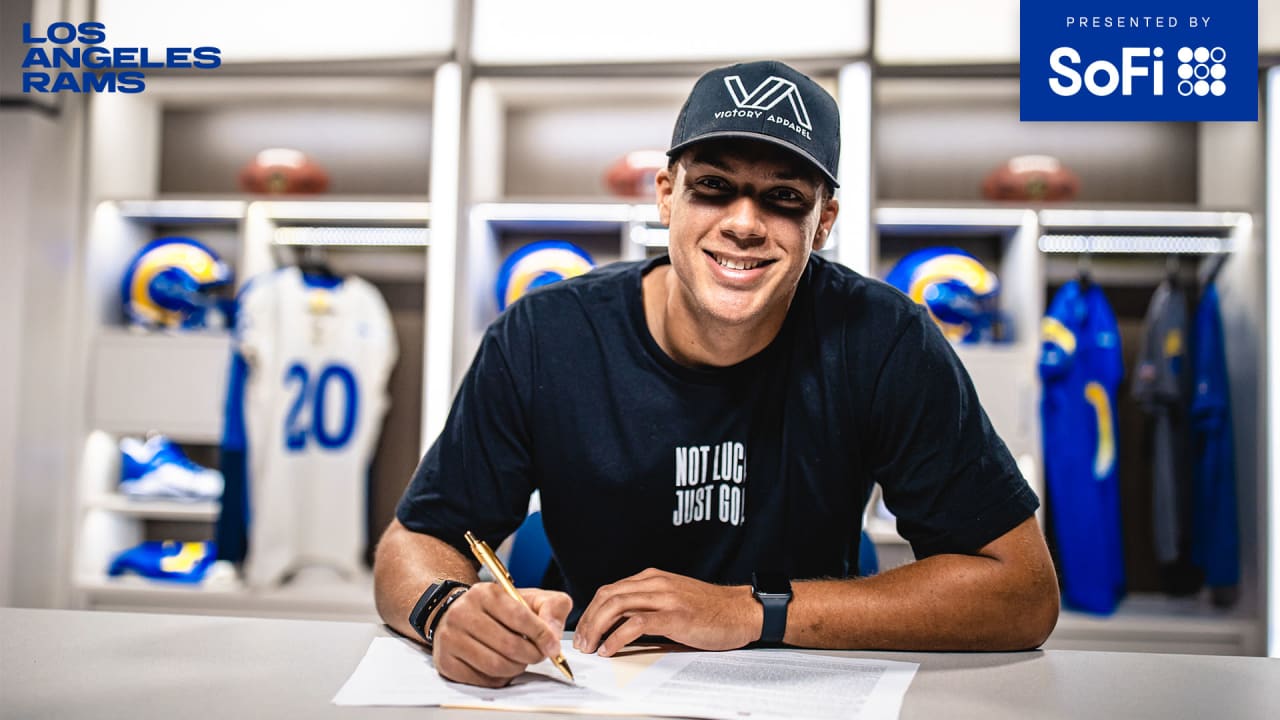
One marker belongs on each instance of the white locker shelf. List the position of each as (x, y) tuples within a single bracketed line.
[(332, 600), (1156, 623), (202, 511), (183, 210), (175, 383), (172, 383), (1005, 378)]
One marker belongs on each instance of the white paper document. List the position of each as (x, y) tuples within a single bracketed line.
[(751, 684)]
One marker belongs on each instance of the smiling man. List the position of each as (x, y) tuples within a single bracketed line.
[(705, 429)]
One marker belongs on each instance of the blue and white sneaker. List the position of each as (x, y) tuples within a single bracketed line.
[(158, 469), (184, 562)]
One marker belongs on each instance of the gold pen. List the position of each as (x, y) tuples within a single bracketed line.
[(486, 556)]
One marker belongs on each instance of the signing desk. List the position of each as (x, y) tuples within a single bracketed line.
[(67, 664)]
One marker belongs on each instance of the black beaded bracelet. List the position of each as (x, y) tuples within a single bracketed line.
[(444, 607)]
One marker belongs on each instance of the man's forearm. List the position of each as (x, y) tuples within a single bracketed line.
[(406, 563), (1006, 599)]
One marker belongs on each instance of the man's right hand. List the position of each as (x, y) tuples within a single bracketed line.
[(487, 638)]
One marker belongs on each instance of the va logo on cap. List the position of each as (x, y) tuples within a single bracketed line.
[(767, 95), (786, 108)]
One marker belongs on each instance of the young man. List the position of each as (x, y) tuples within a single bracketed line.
[(705, 428)]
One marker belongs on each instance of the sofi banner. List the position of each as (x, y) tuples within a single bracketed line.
[(1139, 60)]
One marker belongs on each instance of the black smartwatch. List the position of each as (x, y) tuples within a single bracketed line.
[(773, 591), (429, 601)]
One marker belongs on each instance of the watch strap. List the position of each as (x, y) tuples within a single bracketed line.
[(775, 618), (774, 605), (430, 600)]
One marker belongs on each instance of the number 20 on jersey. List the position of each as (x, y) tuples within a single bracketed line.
[(309, 416)]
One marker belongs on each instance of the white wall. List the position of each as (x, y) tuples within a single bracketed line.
[(40, 203), (41, 161), (254, 31), (13, 195), (1233, 176), (549, 32), (41, 172), (923, 32)]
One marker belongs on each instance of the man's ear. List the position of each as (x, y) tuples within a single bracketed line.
[(665, 182), (826, 220)]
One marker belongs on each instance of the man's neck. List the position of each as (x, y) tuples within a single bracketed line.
[(695, 340)]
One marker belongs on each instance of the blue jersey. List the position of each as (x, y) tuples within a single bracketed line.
[(1080, 370), (1215, 545)]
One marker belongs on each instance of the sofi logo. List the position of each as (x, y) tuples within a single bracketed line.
[(1201, 71), (1140, 60)]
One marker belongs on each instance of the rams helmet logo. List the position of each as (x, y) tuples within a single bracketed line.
[(537, 264), (960, 293)]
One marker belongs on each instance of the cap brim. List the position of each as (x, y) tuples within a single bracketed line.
[(747, 135)]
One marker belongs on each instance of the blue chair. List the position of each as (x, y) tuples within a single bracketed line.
[(868, 561), (530, 553)]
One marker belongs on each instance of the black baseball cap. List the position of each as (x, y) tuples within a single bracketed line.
[(768, 101)]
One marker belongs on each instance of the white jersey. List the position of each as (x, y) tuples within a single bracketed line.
[(318, 356)]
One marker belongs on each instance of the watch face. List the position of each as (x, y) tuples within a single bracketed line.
[(771, 583)]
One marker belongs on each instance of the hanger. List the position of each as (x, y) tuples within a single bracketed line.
[(311, 260), (1215, 264), (1084, 270), (1173, 268)]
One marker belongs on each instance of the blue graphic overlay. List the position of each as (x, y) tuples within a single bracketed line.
[(1194, 60), (55, 62)]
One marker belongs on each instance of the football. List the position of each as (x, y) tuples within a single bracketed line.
[(283, 171), (1038, 178), (631, 176)]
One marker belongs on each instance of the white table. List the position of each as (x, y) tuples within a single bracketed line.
[(72, 664)]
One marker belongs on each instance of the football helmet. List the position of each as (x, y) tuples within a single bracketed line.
[(539, 263), (168, 284), (960, 293)]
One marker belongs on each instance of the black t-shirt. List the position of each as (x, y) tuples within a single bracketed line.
[(715, 473)]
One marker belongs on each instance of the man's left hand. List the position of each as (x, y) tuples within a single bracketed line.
[(654, 602)]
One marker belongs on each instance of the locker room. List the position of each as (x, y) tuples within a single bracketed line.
[(427, 153)]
